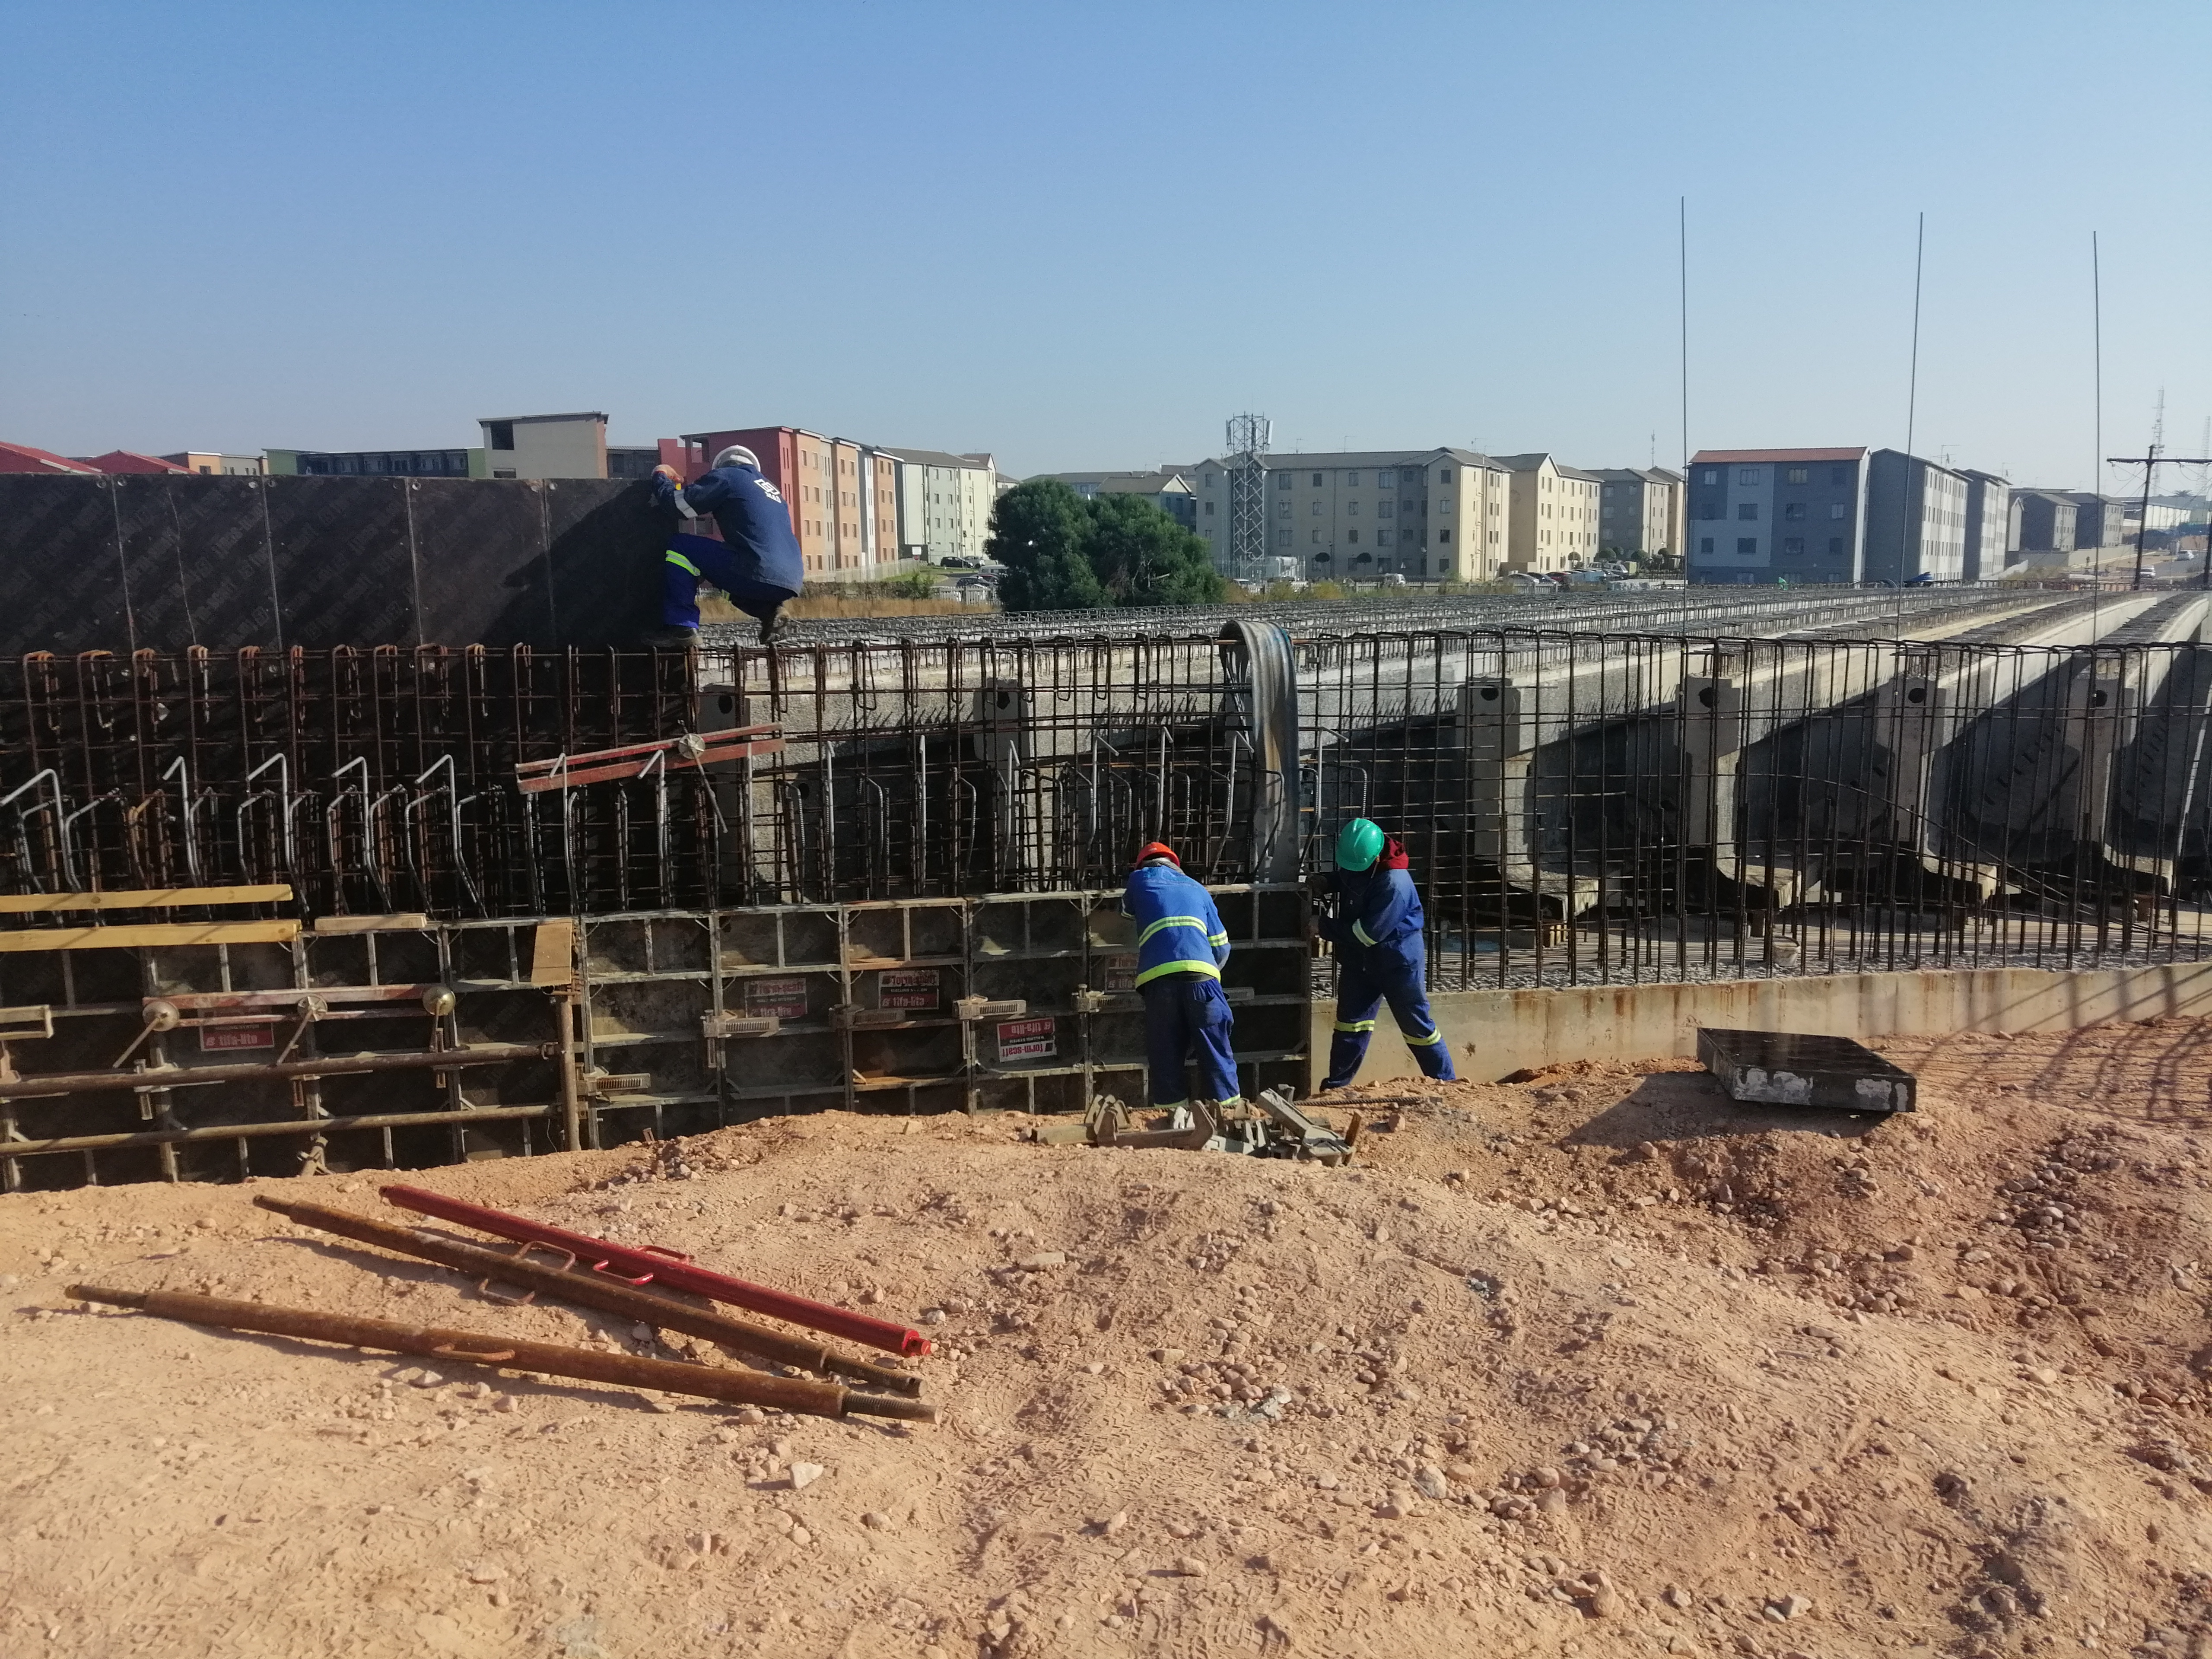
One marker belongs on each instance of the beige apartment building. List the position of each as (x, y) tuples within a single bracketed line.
[(546, 446), (1425, 515), (1554, 515)]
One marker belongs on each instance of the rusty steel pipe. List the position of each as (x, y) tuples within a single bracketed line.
[(789, 1393), (191, 1077), (670, 1268), (283, 1126), (591, 1291)]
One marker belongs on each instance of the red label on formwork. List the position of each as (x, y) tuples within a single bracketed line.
[(775, 999), (1120, 974), (914, 988), (1027, 1039), (218, 1039)]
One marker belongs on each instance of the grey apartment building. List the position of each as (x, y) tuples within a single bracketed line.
[(1989, 526), (2043, 526), (1764, 515), (1916, 519)]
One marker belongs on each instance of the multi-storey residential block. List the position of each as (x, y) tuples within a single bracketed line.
[(546, 446), (1989, 521), (843, 496), (1554, 515), (2042, 527), (1426, 515), (1167, 488), (1916, 519), (2100, 522), (1639, 511), (1762, 515), (945, 503)]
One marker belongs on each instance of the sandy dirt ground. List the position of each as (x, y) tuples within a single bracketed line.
[(1599, 1363)]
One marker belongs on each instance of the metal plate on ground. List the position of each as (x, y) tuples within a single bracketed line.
[(1791, 1068)]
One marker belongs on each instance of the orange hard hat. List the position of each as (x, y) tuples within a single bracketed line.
[(1159, 849)]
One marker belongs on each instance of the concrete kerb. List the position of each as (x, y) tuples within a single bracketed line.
[(1495, 1033)]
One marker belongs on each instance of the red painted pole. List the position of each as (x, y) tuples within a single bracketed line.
[(648, 1264)]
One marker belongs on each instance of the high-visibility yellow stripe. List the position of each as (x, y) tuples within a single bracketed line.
[(1170, 922), (1216, 939), (678, 560), (1421, 1042), (1233, 1100), (1359, 932), (1355, 1025), (1206, 968), (1168, 1105)]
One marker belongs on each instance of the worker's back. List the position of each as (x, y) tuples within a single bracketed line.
[(755, 522), (1178, 929)]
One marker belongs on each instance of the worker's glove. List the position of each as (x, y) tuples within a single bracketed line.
[(665, 471)]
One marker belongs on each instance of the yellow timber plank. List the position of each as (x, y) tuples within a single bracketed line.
[(140, 935), (553, 955), (151, 898)]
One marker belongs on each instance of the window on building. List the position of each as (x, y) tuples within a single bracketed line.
[(502, 472), (1705, 545), (1711, 475), (1747, 546), (1385, 509), (1352, 535), (502, 434), (1209, 481), (1282, 481), (1282, 509), (1209, 509), (1316, 509), (1793, 547), (1835, 547), (1444, 535), (1316, 535), (1793, 509), (1383, 539), (1317, 478), (1746, 509), (1747, 474), (1443, 476), (1385, 477), (1352, 509), (1838, 510), (1798, 475), (1282, 538)]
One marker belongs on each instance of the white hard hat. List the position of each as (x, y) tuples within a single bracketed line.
[(738, 455)]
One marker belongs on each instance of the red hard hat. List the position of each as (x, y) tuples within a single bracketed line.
[(1159, 849)]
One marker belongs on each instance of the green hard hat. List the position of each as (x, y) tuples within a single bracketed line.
[(1358, 846)]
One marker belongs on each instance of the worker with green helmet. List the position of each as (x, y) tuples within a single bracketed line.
[(1376, 928)]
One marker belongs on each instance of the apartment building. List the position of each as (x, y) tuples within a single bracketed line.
[(1555, 515), (1916, 519), (2100, 522), (841, 494), (1427, 514), (210, 464), (945, 503), (1167, 488), (546, 446), (1763, 515), (2042, 527), (1639, 511), (1989, 521)]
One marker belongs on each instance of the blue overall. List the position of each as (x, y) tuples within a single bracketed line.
[(1181, 948), (1377, 932), (758, 563)]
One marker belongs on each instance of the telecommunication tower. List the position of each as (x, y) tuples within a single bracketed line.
[(1248, 495)]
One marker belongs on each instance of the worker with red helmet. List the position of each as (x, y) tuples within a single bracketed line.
[(1181, 948)]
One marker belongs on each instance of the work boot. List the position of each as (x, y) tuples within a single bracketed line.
[(771, 625), (672, 638)]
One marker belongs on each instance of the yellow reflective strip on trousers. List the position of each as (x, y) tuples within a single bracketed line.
[(1422, 1042), (677, 559), (1203, 970), (1170, 922), (1355, 1025)]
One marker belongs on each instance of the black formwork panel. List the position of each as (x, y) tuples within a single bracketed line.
[(165, 562), (376, 993), (61, 567)]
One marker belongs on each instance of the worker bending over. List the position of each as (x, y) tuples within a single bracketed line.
[(1181, 948), (757, 561), (1377, 932)]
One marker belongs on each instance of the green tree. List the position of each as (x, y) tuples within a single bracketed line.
[(1064, 553), (1142, 556), (1039, 530)]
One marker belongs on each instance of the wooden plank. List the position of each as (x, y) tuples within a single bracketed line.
[(151, 898), (553, 955), (145, 934), (406, 921)]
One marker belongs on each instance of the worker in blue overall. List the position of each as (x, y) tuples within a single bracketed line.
[(1376, 933), (757, 561), (1181, 948)]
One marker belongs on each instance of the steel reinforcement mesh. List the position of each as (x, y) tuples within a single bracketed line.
[(1579, 807)]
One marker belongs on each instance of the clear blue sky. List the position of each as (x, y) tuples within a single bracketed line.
[(1083, 236)]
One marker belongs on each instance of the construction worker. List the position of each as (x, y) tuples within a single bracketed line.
[(1377, 932), (757, 561), (1182, 949)]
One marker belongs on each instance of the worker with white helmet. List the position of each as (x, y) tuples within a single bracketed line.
[(757, 562)]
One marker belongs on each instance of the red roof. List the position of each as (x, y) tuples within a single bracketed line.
[(1727, 455), (127, 461), (21, 458)]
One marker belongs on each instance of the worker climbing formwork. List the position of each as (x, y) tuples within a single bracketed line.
[(758, 563)]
